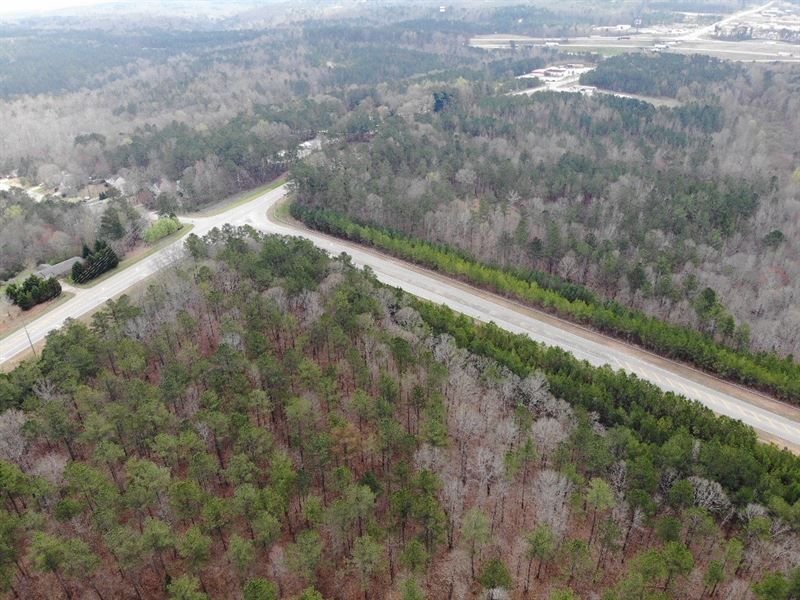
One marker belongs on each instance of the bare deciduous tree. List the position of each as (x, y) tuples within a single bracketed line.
[(710, 495), (548, 433), (51, 467), (13, 444), (550, 490)]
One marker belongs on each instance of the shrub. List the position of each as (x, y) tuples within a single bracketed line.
[(774, 238), (161, 228), (34, 290)]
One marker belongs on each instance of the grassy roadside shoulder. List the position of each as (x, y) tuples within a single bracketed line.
[(187, 227), (46, 307), (159, 245), (283, 210), (129, 262), (247, 197), (86, 317), (765, 372), (731, 451)]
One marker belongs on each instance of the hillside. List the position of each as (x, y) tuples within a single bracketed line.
[(265, 420), (643, 205), (679, 213)]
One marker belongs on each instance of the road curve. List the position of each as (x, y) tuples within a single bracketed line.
[(779, 422)]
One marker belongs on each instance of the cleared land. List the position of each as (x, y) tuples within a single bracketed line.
[(750, 50), (695, 41)]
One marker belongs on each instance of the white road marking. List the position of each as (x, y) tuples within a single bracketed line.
[(396, 273)]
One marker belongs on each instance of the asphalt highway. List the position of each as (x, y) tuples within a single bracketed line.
[(709, 29), (697, 41), (780, 422)]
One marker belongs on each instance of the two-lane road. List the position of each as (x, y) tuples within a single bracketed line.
[(778, 421)]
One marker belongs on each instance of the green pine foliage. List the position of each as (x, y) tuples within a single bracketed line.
[(34, 290), (733, 456), (660, 75), (96, 262), (765, 371), (268, 422)]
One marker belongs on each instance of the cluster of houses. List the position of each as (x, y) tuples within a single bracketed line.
[(95, 190)]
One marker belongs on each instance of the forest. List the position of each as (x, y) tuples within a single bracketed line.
[(56, 227), (659, 75), (242, 103), (643, 205), (766, 371), (261, 420), (264, 421), (601, 191), (39, 60)]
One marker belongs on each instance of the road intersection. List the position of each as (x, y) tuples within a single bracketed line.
[(776, 421), (697, 41)]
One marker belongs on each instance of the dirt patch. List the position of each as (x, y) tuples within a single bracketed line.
[(12, 318)]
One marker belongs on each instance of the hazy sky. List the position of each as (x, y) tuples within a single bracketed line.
[(19, 6)]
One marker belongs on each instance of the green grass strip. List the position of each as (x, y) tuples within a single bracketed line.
[(764, 371)]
